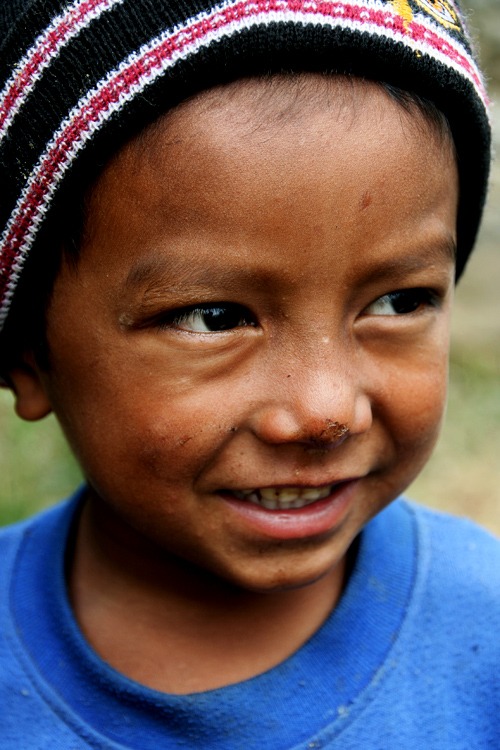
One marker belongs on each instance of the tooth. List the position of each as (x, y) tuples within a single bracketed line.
[(289, 494), (250, 495), (297, 503), (273, 498), (324, 492), (282, 495), (269, 503), (284, 505), (310, 494), (269, 493)]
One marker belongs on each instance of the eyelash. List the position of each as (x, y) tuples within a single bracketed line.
[(226, 316), (405, 301), (210, 318)]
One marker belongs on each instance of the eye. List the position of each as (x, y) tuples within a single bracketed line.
[(210, 318), (403, 302)]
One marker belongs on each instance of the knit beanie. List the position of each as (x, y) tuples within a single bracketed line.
[(79, 77)]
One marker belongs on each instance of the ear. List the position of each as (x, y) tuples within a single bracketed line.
[(31, 400)]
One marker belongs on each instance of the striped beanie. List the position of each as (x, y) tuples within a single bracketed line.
[(78, 77)]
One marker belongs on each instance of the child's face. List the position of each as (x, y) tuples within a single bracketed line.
[(253, 274)]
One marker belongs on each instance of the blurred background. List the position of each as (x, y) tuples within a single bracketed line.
[(463, 477)]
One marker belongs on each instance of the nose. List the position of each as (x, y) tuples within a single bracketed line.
[(315, 404)]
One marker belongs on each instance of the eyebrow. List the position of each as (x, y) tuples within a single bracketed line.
[(157, 269), (148, 269), (437, 251)]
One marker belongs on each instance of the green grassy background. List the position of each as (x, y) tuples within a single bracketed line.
[(36, 468)]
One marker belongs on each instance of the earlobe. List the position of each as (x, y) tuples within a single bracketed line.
[(31, 400)]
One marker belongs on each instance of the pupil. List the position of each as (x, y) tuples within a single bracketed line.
[(220, 318), (406, 302)]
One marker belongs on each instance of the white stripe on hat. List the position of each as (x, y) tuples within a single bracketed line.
[(44, 50)]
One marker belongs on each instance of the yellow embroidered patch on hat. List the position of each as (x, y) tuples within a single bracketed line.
[(443, 11), (402, 8)]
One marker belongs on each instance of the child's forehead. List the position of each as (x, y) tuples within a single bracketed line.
[(274, 106), (227, 138), (203, 165)]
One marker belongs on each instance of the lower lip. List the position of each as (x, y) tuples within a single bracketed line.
[(316, 519)]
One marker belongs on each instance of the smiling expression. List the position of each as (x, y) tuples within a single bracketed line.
[(250, 357)]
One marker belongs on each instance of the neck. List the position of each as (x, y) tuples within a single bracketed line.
[(172, 627)]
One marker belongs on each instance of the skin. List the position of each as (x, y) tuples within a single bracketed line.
[(305, 204)]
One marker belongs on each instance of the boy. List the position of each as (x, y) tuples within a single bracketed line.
[(231, 239)]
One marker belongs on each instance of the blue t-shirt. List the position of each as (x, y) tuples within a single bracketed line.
[(409, 659)]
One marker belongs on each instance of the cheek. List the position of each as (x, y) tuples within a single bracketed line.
[(144, 436), (418, 404), (171, 445)]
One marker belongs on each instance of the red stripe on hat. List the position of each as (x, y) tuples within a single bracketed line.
[(46, 47)]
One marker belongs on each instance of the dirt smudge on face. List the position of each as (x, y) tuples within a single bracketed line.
[(365, 201)]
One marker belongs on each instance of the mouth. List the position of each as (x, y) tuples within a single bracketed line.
[(289, 512), (286, 498)]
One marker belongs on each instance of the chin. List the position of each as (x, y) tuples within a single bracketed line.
[(271, 576)]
